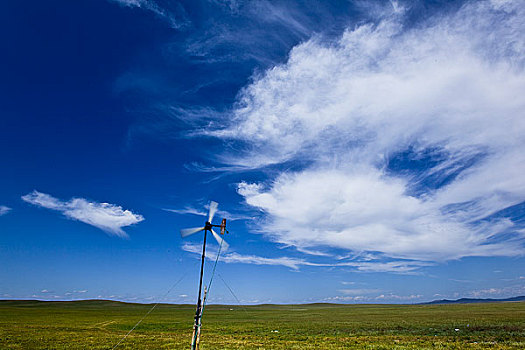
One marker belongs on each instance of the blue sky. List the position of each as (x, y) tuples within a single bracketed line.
[(361, 151)]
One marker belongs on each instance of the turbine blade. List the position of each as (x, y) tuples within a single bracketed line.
[(213, 210), (185, 232), (219, 240)]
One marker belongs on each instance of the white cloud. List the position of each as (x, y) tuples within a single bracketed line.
[(273, 28), (108, 217), (176, 16), (339, 298), (399, 267), (366, 212), (452, 88), (292, 263), (358, 291), (187, 210), (460, 281), (211, 254), (398, 297), (131, 3), (4, 210), (498, 292), (379, 89), (379, 298), (220, 213)]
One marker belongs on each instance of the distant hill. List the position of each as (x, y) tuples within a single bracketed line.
[(472, 300), (100, 303)]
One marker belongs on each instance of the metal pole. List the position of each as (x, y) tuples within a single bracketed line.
[(197, 324)]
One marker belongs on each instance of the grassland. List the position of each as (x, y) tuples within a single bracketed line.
[(101, 324)]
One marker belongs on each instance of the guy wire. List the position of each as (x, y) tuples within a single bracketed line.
[(212, 274), (150, 310), (231, 291)]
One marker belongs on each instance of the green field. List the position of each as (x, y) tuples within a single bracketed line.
[(101, 324)]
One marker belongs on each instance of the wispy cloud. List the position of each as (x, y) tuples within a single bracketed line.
[(211, 254), (398, 267), (273, 27), (175, 14), (291, 262), (220, 213), (187, 210), (4, 210), (411, 136), (358, 291), (227, 41), (460, 281), (108, 217), (408, 267)]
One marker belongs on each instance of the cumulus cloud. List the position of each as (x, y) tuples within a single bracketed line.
[(410, 139), (398, 297), (367, 212), (498, 292), (388, 298), (108, 217), (4, 210)]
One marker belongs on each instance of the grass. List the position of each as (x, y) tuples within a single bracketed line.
[(101, 324)]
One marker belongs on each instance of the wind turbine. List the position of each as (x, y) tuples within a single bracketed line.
[(208, 227)]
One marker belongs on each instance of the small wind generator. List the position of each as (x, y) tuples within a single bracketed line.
[(208, 226)]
